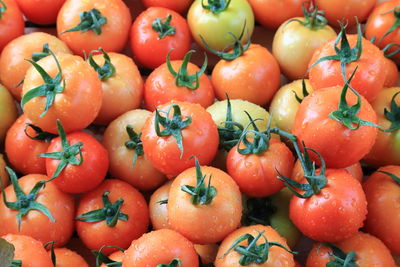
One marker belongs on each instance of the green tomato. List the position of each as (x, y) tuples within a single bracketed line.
[(215, 27), (8, 112)]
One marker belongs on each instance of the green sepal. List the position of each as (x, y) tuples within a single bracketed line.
[(314, 18), (304, 91), (172, 126), (201, 194), (40, 134), (68, 153), (90, 20), (25, 202), (182, 78), (107, 70), (49, 89), (174, 263), (102, 258), (162, 202), (163, 26), (111, 212), (36, 56), (395, 25), (253, 253), (3, 8), (338, 258), (391, 175), (216, 6), (393, 115), (134, 143), (6, 252), (52, 253)]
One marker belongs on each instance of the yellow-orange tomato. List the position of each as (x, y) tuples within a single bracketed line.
[(68, 258), (8, 112)]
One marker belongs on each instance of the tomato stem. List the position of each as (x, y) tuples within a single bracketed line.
[(338, 258), (174, 263), (90, 20), (216, 6), (304, 91), (260, 142), (40, 134), (396, 23), (134, 143), (52, 254), (393, 115), (314, 18), (102, 258), (163, 26), (3, 8), (36, 56), (107, 70)]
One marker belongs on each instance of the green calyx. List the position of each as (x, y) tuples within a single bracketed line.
[(40, 134), (107, 70), (345, 54), (3, 8), (52, 253), (49, 89), (314, 18), (163, 26), (231, 131), (36, 56), (260, 140), (338, 258), (216, 6), (346, 114), (396, 24), (68, 153), (90, 20), (201, 194), (257, 210), (253, 252), (134, 143), (173, 126), (304, 91), (391, 175), (174, 263), (182, 78), (393, 115), (237, 48), (111, 212), (102, 258), (25, 202)]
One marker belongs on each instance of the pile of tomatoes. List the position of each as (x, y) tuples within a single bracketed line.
[(199, 133)]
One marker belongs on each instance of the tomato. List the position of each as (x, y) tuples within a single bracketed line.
[(8, 112), (382, 195), (371, 72), (338, 144), (160, 247), (28, 251), (180, 6), (34, 11), (67, 258), (215, 20), (186, 130), (122, 85), (158, 207), (256, 70), (209, 215), (127, 160), (113, 214), (385, 150), (335, 213), (296, 40), (380, 23), (3, 174), (115, 256), (74, 111), (53, 222), (157, 31), (392, 75), (284, 104), (349, 11), (13, 63), (369, 251), (178, 80), (257, 239), (88, 25), (207, 253), (11, 22)]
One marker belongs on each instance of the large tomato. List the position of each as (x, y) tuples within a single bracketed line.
[(40, 12), (8, 112), (213, 21), (177, 5), (11, 22)]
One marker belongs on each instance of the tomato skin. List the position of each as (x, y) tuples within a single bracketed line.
[(230, 20), (346, 10), (29, 251), (121, 92), (180, 6), (4, 178), (60, 205), (96, 234), (256, 174), (143, 175), (68, 258), (385, 150), (294, 44), (151, 51), (205, 224), (382, 195), (314, 126), (276, 257), (115, 256), (199, 139), (370, 75), (334, 214), (34, 11), (370, 251), (8, 112), (392, 75), (115, 32), (160, 87), (256, 70), (207, 253), (84, 177), (160, 247), (159, 212), (12, 23)]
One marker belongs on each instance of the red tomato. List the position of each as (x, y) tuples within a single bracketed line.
[(158, 207), (177, 5), (155, 32), (11, 22), (68, 258), (42, 12), (392, 75)]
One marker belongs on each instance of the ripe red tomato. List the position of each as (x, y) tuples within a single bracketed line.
[(11, 22), (180, 6), (155, 32), (42, 12)]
